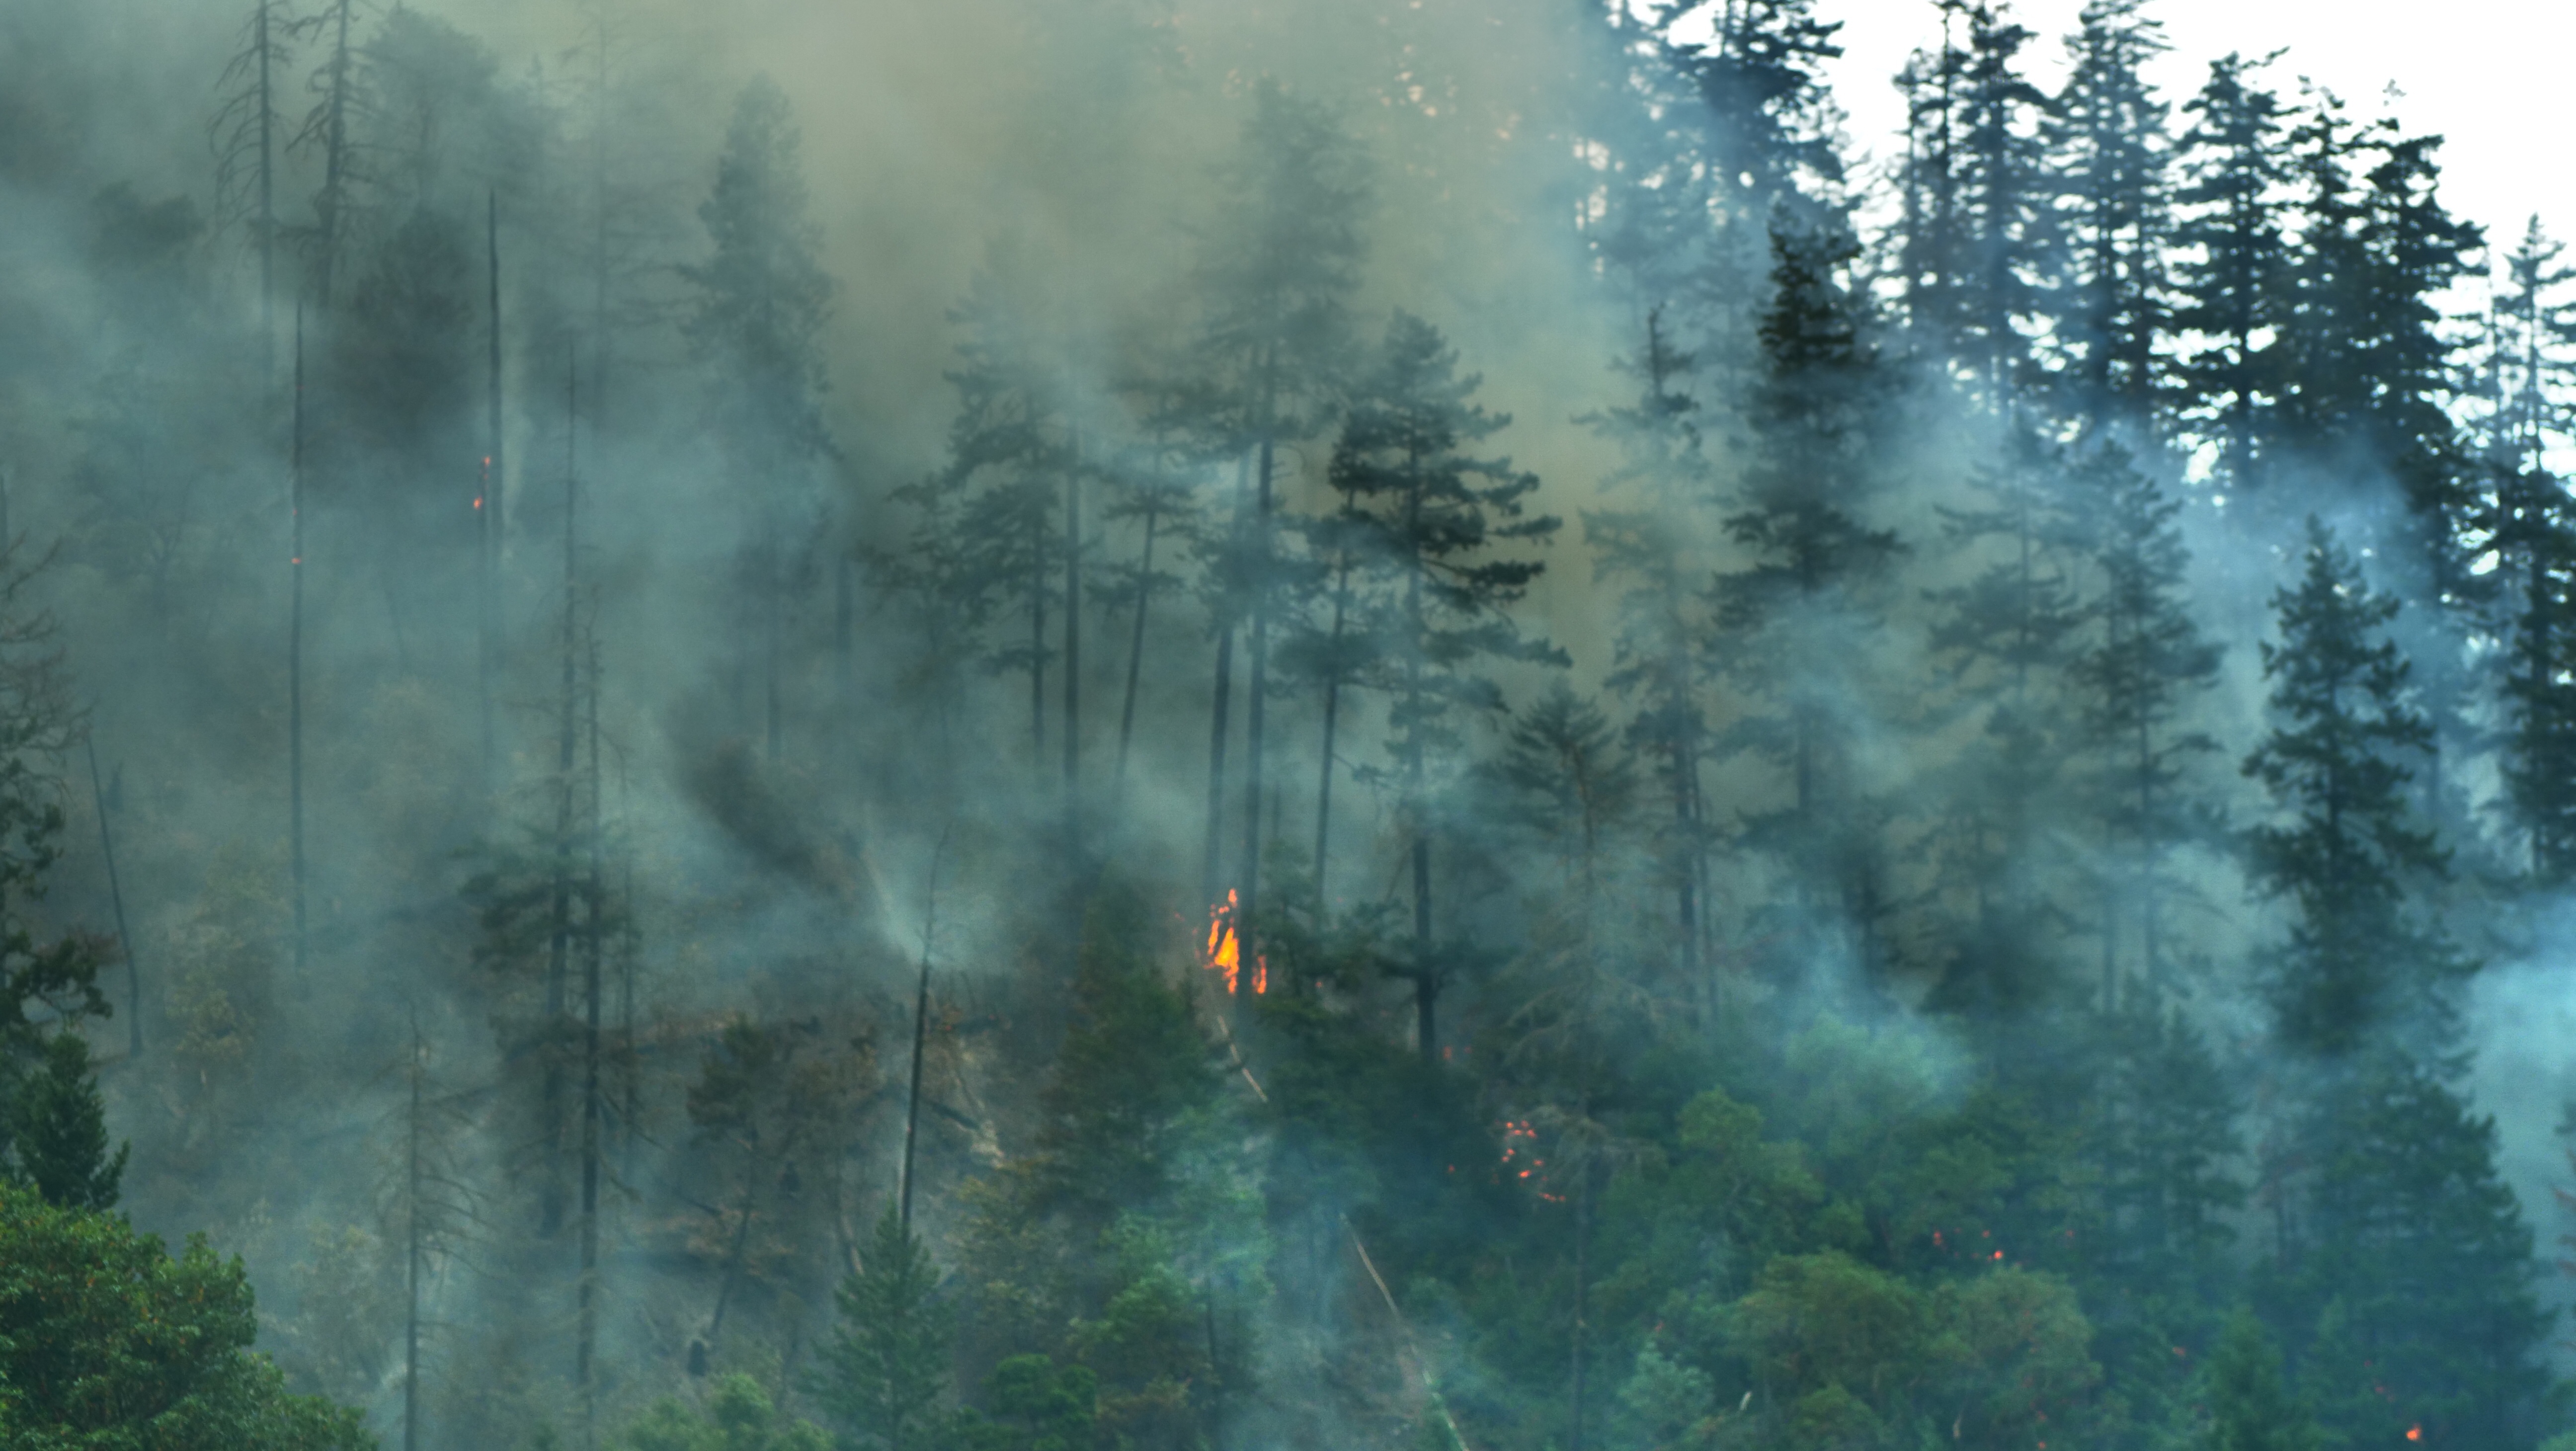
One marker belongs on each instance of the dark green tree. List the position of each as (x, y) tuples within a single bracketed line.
[(2137, 679), (60, 1136), (2106, 140), (2005, 638), (885, 1370), (2418, 1271), (1439, 515), (2344, 846), (2228, 277), (1796, 613), (1267, 368), (756, 322), (107, 1340), (1650, 545), (1973, 194), (2250, 1405)]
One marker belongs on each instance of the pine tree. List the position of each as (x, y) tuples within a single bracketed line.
[(1973, 194), (2420, 1269), (885, 1371), (1659, 667), (2367, 369), (1267, 369), (2105, 136), (2229, 281), (246, 130), (756, 323), (2006, 637), (2250, 1405), (60, 1130), (2137, 679), (1800, 604), (2344, 846), (1438, 514)]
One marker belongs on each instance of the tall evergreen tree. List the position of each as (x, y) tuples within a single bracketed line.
[(2229, 281), (2005, 637), (885, 1370), (1650, 545), (2105, 138), (1974, 195), (2344, 845), (1439, 514), (1267, 369), (1795, 612), (756, 323), (60, 1133), (2137, 679)]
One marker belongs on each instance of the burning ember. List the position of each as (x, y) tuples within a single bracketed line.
[(1224, 952)]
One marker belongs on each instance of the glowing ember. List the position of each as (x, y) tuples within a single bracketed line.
[(2414, 1433)]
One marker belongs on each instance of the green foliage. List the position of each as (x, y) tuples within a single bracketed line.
[(1032, 1405), (886, 1368), (2250, 1406), (737, 1415), (60, 1132), (2346, 846), (107, 1343), (1131, 1068)]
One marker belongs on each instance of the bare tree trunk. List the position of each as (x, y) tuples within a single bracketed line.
[(412, 1253), (1135, 654), (1211, 863), (1582, 1296), (1072, 725), (559, 940), (116, 899), (1332, 723), (592, 946), (335, 152), (1256, 688), (295, 650), (920, 1037), (267, 198), (488, 505)]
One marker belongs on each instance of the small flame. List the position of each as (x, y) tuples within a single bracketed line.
[(1224, 950), (478, 501), (2414, 1433)]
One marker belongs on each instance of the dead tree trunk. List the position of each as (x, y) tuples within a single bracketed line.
[(295, 648), (116, 899), (559, 938)]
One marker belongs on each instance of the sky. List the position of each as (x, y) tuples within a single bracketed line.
[(2489, 75)]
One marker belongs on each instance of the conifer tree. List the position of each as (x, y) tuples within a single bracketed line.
[(2006, 636), (2418, 1267), (2344, 846), (1267, 369), (1438, 513), (2250, 1405), (1973, 194), (2137, 679), (246, 131), (1798, 605), (2105, 137), (1652, 547), (60, 1130), (326, 127), (2532, 525), (756, 322), (885, 1370), (2229, 279)]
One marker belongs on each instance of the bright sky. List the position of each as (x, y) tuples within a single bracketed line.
[(2492, 76)]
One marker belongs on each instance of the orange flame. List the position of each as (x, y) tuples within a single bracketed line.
[(2414, 1433), (1224, 950)]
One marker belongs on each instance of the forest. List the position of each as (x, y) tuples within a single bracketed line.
[(1206, 725)]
